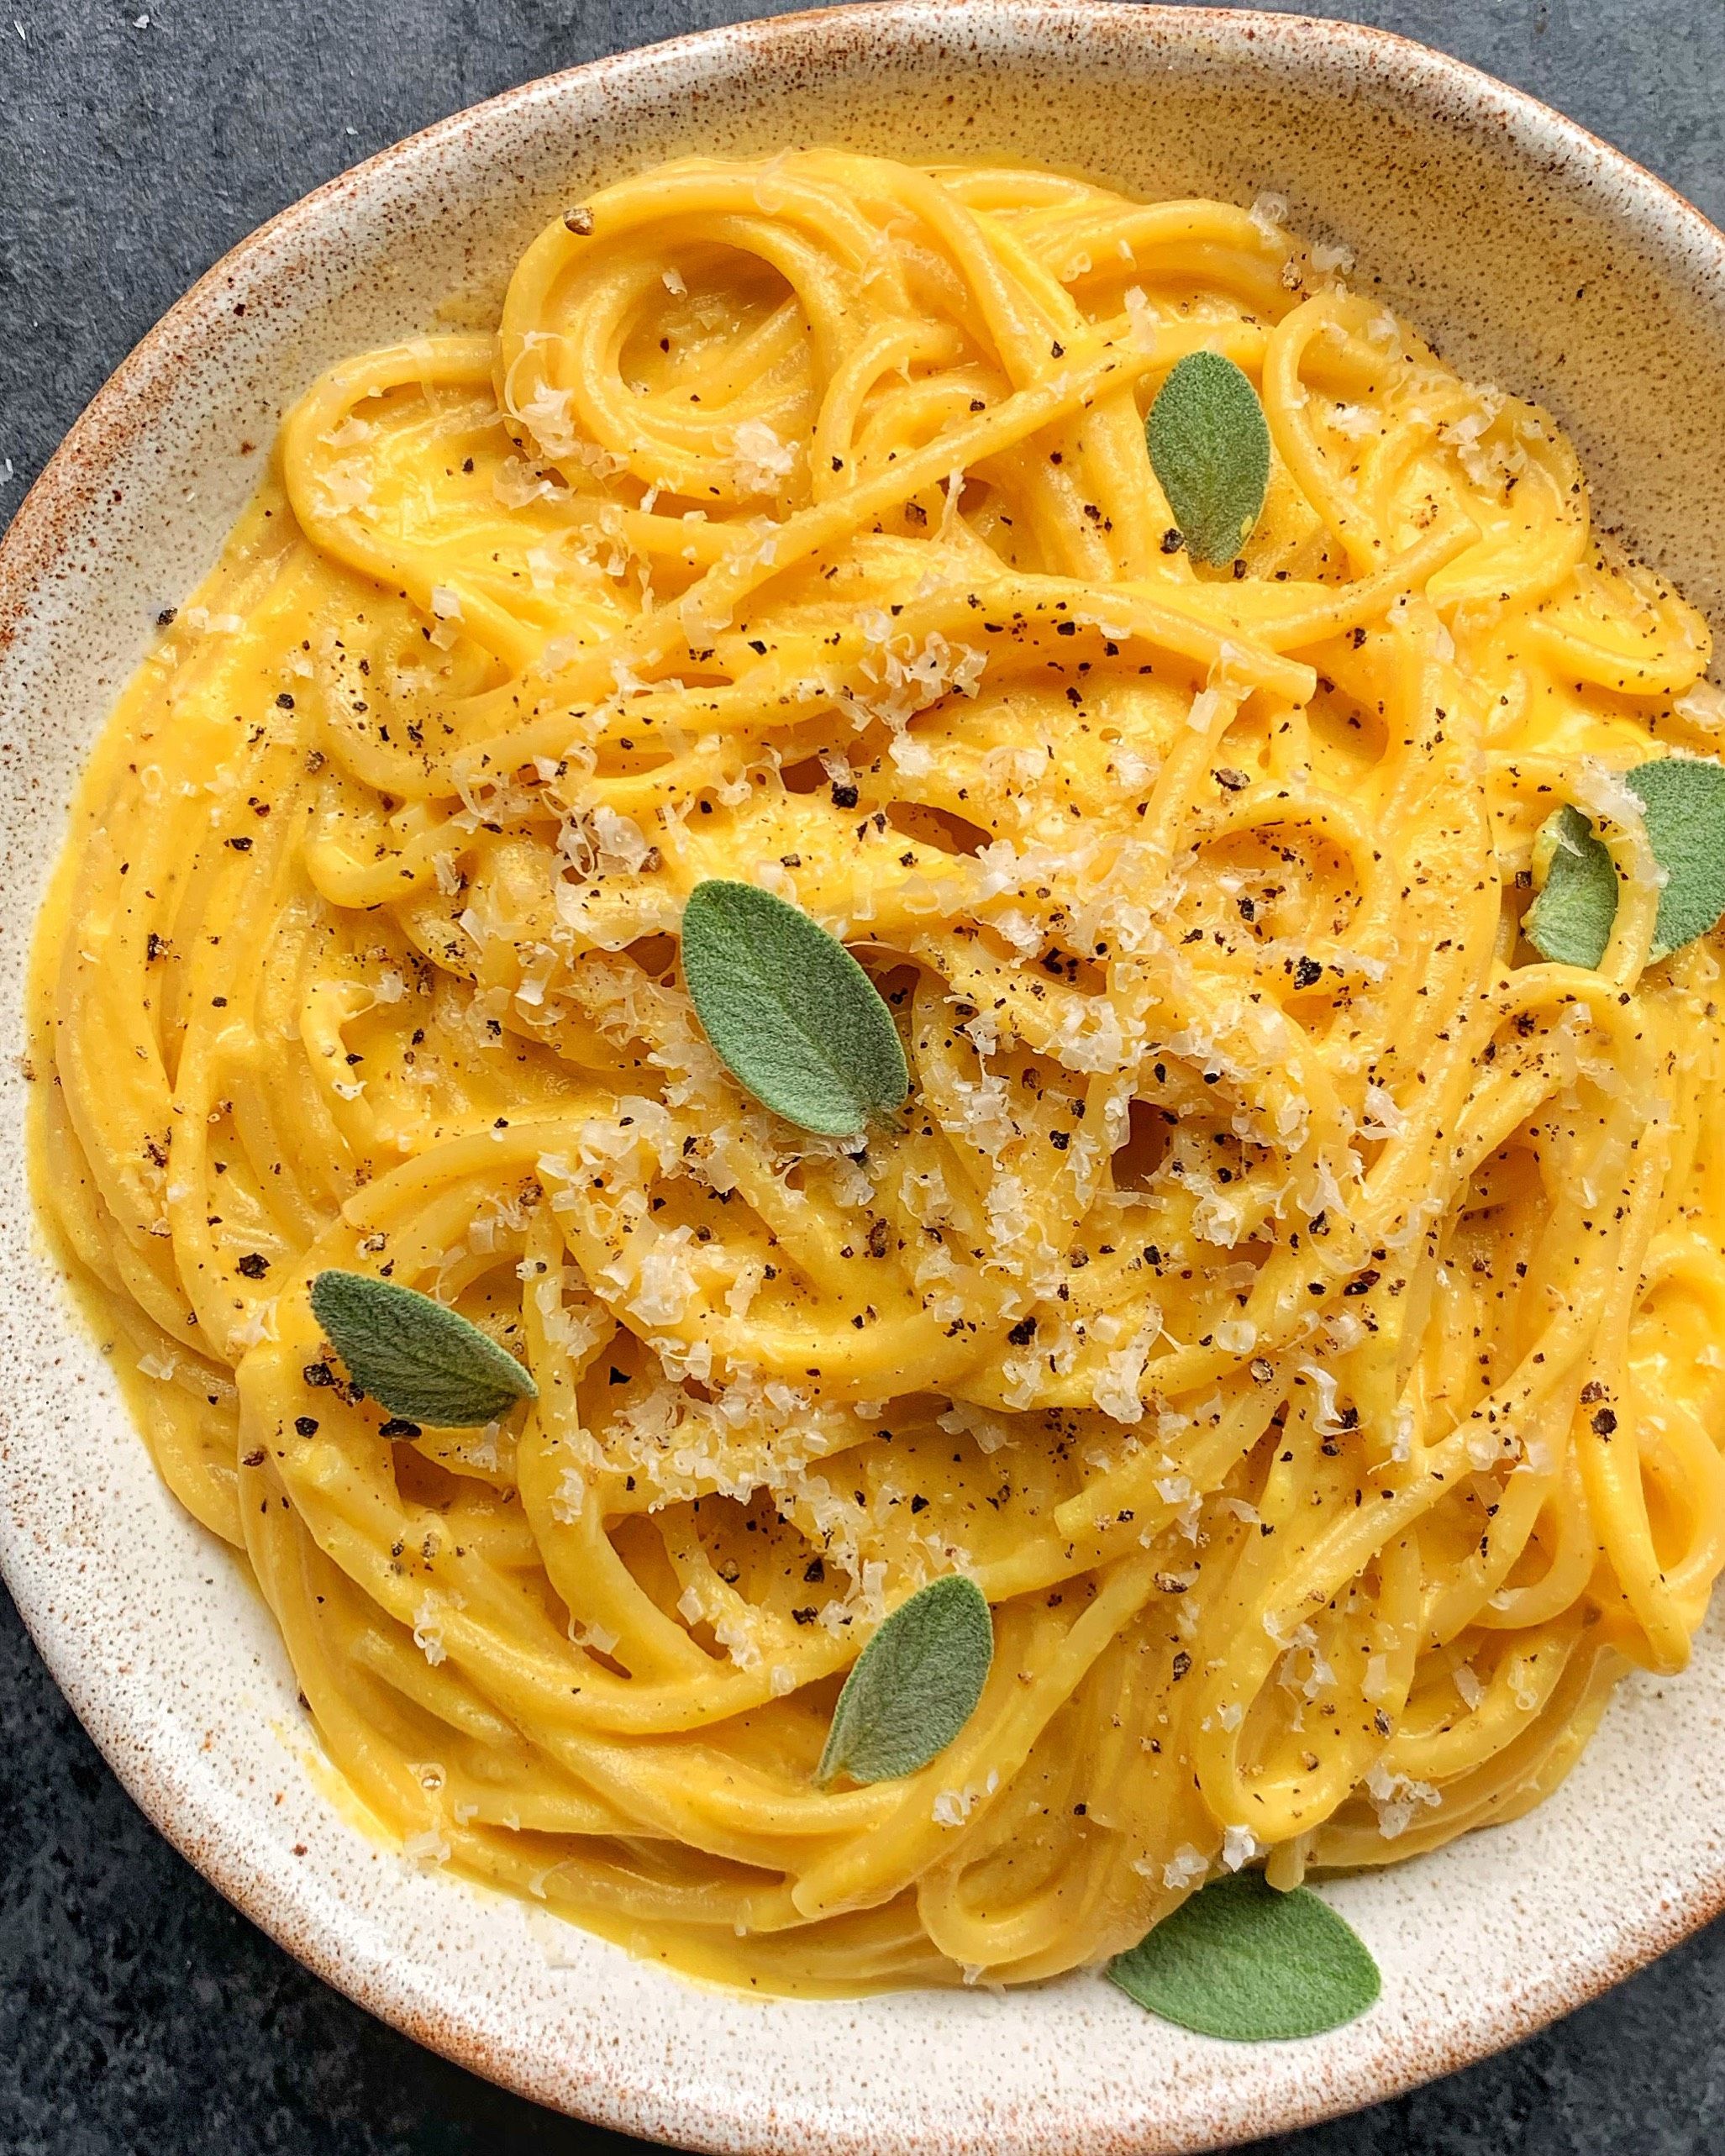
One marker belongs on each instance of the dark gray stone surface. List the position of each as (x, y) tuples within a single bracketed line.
[(139, 140)]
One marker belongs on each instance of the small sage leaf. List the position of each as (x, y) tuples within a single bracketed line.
[(1683, 802), (1570, 920), (1210, 448), (915, 1685), (1241, 1961), (420, 1360), (791, 1013)]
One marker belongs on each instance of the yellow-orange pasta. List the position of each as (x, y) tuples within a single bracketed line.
[(1289, 1297)]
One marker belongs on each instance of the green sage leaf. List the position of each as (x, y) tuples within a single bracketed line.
[(1683, 800), (1210, 448), (791, 1013), (915, 1685), (419, 1359), (1241, 1961), (1570, 920)]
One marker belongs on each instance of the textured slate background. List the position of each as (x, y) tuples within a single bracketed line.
[(139, 140)]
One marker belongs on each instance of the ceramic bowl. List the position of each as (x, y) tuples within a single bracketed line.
[(1538, 257)]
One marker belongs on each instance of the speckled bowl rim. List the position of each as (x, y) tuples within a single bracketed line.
[(74, 479)]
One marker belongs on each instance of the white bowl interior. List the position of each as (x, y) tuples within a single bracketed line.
[(1537, 259)]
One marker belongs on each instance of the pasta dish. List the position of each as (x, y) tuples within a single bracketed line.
[(1288, 1287)]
